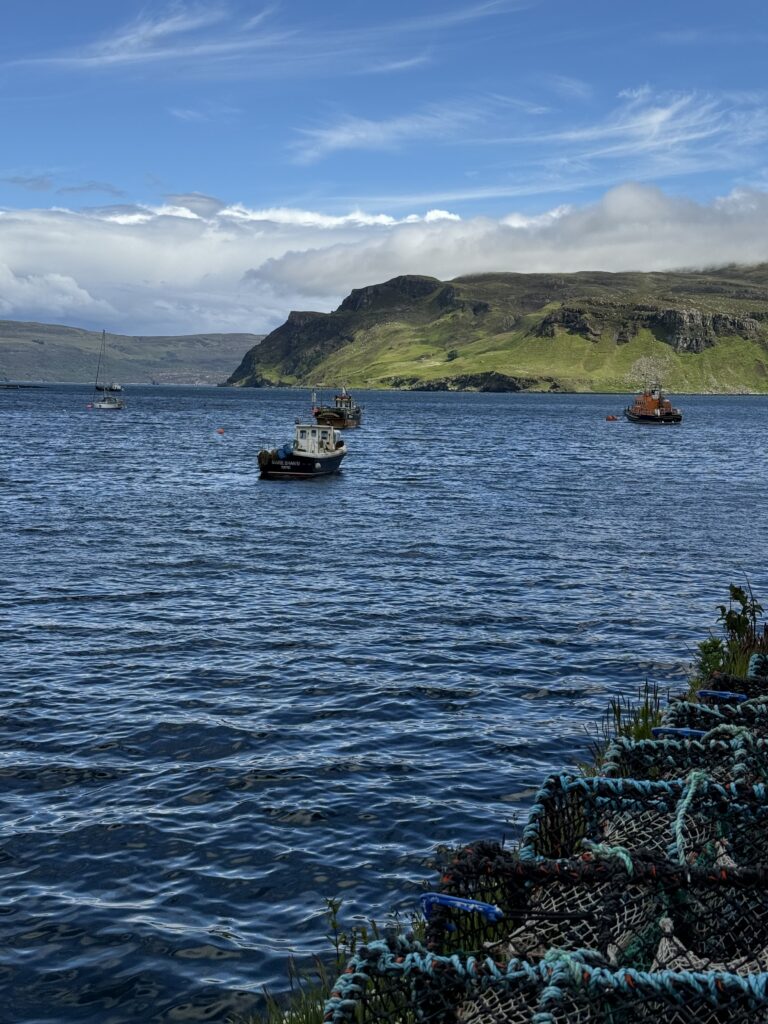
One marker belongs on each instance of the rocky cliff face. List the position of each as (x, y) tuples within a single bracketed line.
[(686, 330), (390, 293)]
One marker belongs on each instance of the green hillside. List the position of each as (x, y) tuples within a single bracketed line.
[(52, 352), (698, 331)]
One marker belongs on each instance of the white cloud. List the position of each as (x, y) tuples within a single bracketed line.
[(56, 293), (173, 269)]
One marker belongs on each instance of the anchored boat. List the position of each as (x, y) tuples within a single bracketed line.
[(652, 406), (106, 402), (315, 451), (344, 412)]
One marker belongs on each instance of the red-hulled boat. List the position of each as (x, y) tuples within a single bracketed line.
[(652, 406)]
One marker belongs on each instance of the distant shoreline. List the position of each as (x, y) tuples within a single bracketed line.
[(42, 385)]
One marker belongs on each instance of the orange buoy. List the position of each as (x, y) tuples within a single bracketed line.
[(219, 430), (611, 418)]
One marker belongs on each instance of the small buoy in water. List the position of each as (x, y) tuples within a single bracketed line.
[(611, 418), (219, 430)]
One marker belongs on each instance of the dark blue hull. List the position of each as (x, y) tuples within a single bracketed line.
[(301, 467)]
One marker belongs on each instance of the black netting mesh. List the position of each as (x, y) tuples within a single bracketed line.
[(609, 904)]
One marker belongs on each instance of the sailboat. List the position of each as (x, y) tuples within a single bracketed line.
[(105, 401)]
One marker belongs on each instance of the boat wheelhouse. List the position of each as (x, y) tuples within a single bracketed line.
[(344, 413), (316, 450), (652, 406)]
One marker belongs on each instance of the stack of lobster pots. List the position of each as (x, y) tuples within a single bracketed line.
[(636, 894)]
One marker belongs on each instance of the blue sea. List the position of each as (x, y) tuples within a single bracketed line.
[(227, 700)]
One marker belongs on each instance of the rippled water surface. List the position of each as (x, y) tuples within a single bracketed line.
[(224, 700)]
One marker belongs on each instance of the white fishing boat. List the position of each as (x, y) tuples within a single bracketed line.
[(101, 399), (314, 451)]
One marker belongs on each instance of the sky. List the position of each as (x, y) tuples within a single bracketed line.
[(179, 167)]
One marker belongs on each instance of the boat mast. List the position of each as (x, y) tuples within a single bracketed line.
[(98, 365)]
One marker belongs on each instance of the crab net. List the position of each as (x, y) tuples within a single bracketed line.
[(726, 754), (399, 982)]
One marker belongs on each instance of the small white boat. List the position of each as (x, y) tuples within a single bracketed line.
[(108, 402)]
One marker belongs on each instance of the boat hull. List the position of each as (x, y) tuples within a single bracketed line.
[(298, 467), (664, 418), (332, 418)]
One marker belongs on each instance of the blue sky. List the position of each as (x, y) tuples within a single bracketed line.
[(187, 166)]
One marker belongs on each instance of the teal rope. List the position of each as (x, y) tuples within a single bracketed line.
[(695, 781), (619, 853)]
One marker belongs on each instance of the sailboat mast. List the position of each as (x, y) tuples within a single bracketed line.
[(98, 365)]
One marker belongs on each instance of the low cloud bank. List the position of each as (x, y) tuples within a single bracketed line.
[(208, 266)]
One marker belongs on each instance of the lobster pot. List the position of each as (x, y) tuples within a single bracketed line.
[(566, 904), (692, 822), (401, 983), (751, 714), (750, 686), (606, 903), (726, 755)]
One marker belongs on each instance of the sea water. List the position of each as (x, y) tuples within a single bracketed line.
[(225, 701)]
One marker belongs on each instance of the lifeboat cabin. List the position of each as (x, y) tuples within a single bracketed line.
[(652, 406), (314, 451), (344, 412)]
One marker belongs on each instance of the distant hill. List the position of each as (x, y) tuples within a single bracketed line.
[(52, 352), (699, 331)]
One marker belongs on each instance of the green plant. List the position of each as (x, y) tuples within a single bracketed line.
[(311, 985), (303, 1003), (744, 634), (624, 716)]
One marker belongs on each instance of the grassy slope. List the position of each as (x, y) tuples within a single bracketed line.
[(31, 351), (398, 336), (383, 353)]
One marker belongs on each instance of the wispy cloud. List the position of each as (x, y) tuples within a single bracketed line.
[(183, 34), (646, 136), (675, 126), (711, 37), (570, 88), (396, 65), (91, 186), (459, 15), (212, 38), (443, 121), (33, 182), (363, 133), (205, 113)]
